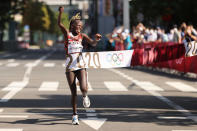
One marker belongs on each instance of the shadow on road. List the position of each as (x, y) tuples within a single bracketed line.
[(54, 109)]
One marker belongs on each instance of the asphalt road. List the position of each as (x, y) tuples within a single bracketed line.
[(34, 96)]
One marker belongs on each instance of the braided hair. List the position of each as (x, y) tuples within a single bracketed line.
[(73, 19)]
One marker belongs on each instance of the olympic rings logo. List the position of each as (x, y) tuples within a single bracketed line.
[(115, 58)]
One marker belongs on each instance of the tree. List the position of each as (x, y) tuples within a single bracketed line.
[(52, 20), (36, 16), (65, 21), (45, 19), (54, 29), (8, 8), (41, 18)]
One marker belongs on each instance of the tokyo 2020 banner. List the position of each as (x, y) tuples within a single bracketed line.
[(109, 59)]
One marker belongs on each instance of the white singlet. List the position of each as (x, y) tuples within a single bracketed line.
[(74, 58)]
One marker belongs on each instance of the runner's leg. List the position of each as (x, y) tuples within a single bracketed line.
[(71, 81), (82, 77)]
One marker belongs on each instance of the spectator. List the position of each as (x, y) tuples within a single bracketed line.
[(176, 35), (164, 36), (189, 34), (121, 39), (127, 39)]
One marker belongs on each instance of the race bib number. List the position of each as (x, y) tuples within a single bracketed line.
[(74, 48), (191, 48)]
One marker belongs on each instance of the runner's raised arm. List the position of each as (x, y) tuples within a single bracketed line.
[(60, 24), (91, 41)]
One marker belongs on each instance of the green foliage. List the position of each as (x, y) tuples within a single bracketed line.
[(52, 20), (41, 18), (32, 15), (65, 21), (46, 18), (36, 16), (8, 8)]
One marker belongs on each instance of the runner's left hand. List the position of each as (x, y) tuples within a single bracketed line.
[(98, 37)]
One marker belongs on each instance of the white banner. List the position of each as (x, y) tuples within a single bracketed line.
[(109, 59), (191, 48)]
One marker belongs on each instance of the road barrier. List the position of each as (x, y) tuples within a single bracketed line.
[(164, 55)]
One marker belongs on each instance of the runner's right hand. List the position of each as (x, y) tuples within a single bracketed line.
[(61, 9), (98, 37)]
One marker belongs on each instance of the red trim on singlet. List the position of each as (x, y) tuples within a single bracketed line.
[(72, 39), (66, 44)]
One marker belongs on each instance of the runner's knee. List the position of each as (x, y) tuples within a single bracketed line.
[(83, 87)]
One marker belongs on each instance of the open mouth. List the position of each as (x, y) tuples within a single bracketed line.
[(78, 30)]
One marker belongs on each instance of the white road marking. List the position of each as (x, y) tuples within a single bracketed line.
[(27, 74), (5, 129), (1, 110), (1, 64), (12, 64), (89, 87), (49, 64), (149, 86), (49, 86), (64, 65), (184, 130), (91, 114), (11, 60), (42, 58), (90, 110), (78, 87), (115, 86), (13, 116), (13, 89), (94, 122), (172, 117), (30, 65), (8, 96), (34, 64), (160, 97), (16, 85), (182, 87)]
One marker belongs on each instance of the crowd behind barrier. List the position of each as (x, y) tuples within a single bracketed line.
[(155, 47), (123, 39)]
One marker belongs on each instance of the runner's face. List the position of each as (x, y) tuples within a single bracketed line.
[(77, 26)]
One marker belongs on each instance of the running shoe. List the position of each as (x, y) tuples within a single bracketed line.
[(86, 102), (75, 120)]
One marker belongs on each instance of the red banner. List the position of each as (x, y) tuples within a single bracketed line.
[(164, 55)]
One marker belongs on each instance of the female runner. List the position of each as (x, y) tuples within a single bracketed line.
[(75, 65)]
